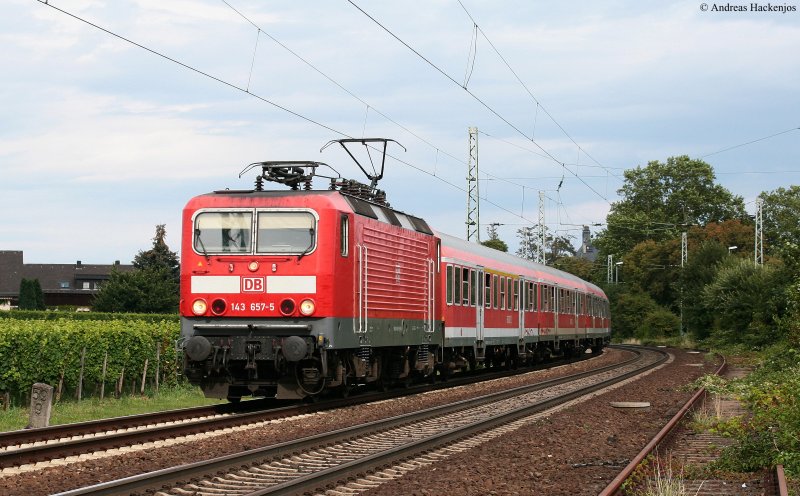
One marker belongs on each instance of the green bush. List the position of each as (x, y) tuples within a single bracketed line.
[(660, 322), (772, 434), (49, 351), (100, 316), (627, 309), (748, 301)]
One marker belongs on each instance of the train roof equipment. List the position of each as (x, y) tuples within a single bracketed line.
[(296, 173)]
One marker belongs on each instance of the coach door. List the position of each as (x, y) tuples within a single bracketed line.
[(521, 301), (479, 309)]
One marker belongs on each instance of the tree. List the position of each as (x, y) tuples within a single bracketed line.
[(781, 214), (152, 287), (628, 307), (653, 267), (728, 233), (748, 301), (159, 256), (660, 323), (528, 242), (700, 270), (31, 296), (149, 290), (560, 246), (660, 200), (580, 267), (494, 241)]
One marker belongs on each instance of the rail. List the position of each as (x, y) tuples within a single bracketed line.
[(616, 484), (346, 437)]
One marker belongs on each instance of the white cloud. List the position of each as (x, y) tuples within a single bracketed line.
[(630, 82)]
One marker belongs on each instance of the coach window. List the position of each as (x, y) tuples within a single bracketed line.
[(502, 293), (547, 301), (496, 291), (457, 286), (286, 232), (530, 303), (449, 276), (465, 286), (473, 276), (488, 291), (344, 241), (517, 285), (223, 232)]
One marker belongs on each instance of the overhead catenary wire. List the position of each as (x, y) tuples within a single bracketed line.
[(477, 98), (522, 83), (369, 107), (252, 94), (751, 142)]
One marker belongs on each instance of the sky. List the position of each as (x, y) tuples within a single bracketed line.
[(113, 114)]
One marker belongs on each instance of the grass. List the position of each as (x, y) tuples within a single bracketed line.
[(663, 482), (65, 412), (685, 342)]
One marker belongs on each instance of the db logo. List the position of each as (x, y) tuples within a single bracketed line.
[(253, 285)]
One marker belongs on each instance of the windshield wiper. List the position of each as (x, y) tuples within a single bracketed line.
[(311, 233), (202, 245)]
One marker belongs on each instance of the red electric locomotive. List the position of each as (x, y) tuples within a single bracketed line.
[(294, 292)]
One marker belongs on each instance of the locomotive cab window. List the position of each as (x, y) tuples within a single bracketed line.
[(285, 232), (223, 232)]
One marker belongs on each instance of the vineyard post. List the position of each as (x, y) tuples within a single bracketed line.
[(60, 385), (103, 380), (144, 374), (80, 378), (119, 382), (158, 364)]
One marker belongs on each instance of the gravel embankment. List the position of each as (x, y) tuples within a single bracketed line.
[(566, 453), (575, 451)]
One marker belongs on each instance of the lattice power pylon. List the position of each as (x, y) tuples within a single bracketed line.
[(759, 248), (540, 258), (473, 191), (684, 249)]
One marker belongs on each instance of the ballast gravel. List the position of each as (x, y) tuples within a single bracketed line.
[(577, 450)]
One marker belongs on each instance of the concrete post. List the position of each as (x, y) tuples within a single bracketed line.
[(41, 405)]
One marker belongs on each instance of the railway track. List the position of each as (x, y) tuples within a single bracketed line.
[(701, 450), (32, 446), (311, 464)]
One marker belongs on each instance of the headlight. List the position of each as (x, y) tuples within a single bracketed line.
[(199, 307), (252, 266), (218, 306), (287, 307), (307, 307)]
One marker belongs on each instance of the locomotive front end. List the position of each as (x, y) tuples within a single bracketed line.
[(256, 292)]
